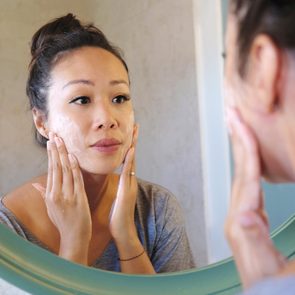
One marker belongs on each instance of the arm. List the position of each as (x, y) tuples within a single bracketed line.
[(133, 258), (246, 225)]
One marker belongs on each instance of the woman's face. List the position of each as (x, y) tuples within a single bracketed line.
[(269, 127), (90, 109)]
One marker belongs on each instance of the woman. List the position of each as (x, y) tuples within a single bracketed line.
[(260, 76), (79, 93)]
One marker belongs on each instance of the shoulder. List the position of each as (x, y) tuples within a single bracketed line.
[(25, 202), (152, 192), (159, 199)]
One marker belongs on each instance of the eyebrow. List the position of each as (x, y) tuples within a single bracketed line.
[(116, 82), (82, 81), (88, 82)]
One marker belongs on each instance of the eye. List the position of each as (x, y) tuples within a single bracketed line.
[(120, 99), (81, 100)]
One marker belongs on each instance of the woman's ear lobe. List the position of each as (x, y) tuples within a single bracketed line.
[(40, 122), (264, 72)]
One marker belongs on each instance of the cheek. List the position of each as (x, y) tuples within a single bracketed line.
[(69, 132), (129, 127)]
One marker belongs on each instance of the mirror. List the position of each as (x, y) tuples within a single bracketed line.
[(163, 67), (37, 271)]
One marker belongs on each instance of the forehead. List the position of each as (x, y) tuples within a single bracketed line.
[(91, 63)]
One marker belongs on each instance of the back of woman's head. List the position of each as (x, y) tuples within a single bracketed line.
[(275, 18), (49, 44)]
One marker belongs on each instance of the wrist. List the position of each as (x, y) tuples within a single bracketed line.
[(73, 251)]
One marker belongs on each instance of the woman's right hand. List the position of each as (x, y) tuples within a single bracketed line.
[(66, 201), (247, 225)]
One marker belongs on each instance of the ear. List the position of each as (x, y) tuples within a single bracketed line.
[(40, 122), (263, 72)]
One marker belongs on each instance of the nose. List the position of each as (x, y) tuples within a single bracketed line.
[(104, 117)]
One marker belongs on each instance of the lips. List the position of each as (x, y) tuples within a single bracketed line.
[(107, 145)]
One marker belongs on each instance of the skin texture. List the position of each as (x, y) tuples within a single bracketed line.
[(81, 204), (260, 113)]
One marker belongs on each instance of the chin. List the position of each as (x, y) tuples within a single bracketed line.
[(276, 176), (100, 167)]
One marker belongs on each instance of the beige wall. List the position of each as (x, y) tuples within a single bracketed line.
[(157, 38)]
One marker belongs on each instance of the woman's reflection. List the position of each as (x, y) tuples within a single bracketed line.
[(79, 92)]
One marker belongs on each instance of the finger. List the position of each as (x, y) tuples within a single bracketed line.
[(135, 135), (56, 168), (246, 186), (67, 177), (244, 146), (127, 171), (40, 188), (77, 177), (50, 169), (135, 139), (250, 220)]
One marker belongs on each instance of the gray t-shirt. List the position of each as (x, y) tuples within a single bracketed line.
[(160, 227), (273, 286)]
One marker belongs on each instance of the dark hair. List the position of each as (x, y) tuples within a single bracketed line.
[(275, 18), (49, 43)]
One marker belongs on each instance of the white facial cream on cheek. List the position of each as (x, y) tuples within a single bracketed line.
[(70, 132)]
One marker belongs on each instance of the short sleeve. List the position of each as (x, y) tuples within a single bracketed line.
[(8, 219), (273, 286), (171, 251)]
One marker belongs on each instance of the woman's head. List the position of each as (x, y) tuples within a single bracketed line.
[(260, 74), (78, 88)]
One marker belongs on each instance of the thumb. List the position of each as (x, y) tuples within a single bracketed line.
[(40, 188)]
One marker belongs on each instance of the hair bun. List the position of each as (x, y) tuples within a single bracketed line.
[(59, 26)]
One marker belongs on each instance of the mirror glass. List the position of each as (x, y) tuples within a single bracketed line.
[(168, 71), (160, 54)]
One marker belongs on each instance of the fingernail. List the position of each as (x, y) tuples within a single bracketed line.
[(39, 188), (35, 185)]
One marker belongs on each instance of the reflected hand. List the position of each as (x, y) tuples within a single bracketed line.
[(246, 226), (66, 201), (122, 225)]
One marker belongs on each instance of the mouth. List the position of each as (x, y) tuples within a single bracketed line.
[(107, 145)]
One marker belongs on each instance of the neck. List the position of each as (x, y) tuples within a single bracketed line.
[(95, 188)]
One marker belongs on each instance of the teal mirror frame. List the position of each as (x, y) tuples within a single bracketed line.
[(37, 271)]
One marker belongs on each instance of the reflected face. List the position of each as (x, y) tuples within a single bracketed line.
[(89, 107)]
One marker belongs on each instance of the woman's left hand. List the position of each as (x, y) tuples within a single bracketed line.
[(133, 258), (122, 225), (247, 225)]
